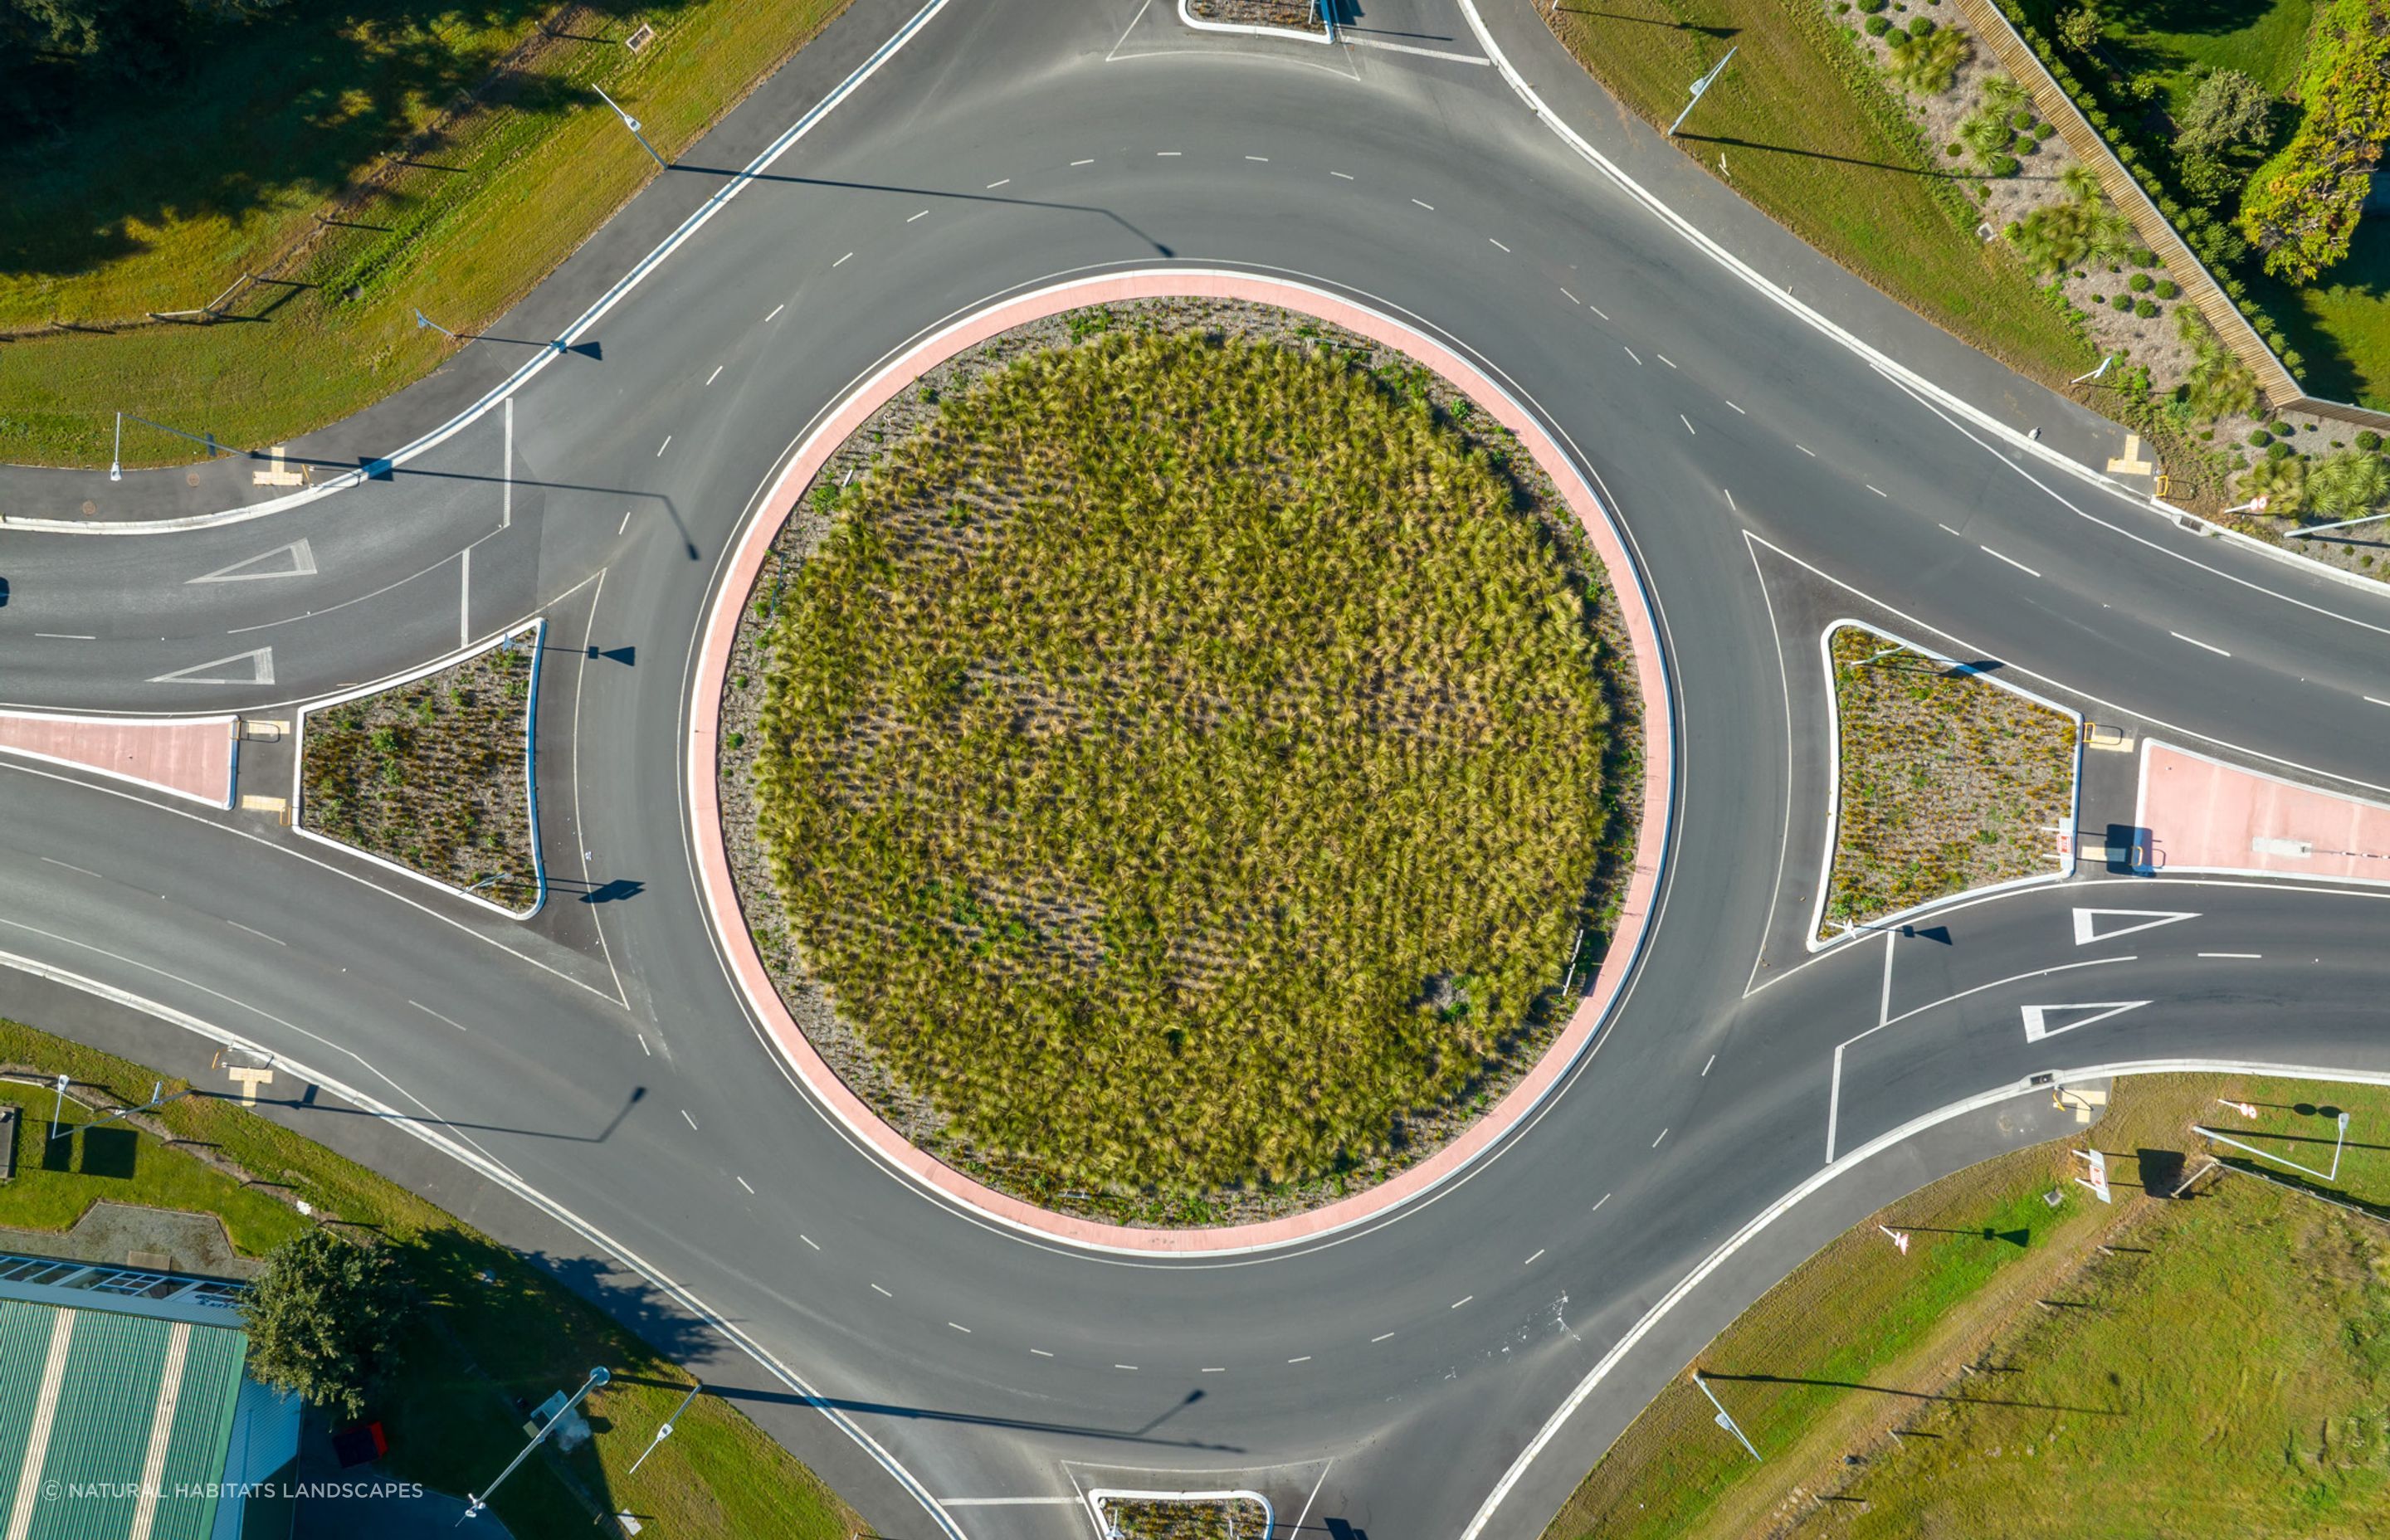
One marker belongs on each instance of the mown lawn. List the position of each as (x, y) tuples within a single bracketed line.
[(494, 1328), (1948, 782), (2226, 1373), (162, 203), (1816, 140), (1184, 762)]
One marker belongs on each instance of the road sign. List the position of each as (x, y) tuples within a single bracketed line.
[(2098, 1180)]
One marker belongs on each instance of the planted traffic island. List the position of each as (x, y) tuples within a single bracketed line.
[(1945, 781), (433, 775), (1179, 763), (1236, 1516)]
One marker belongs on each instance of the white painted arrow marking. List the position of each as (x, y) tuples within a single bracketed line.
[(302, 564), (260, 666), (2036, 1018), (2086, 922)]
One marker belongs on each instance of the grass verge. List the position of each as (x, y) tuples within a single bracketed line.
[(1813, 137), (493, 1329), (1187, 834), (1947, 781), (391, 155), (2222, 1368), (434, 773)]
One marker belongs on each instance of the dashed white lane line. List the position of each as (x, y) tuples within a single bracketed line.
[(64, 637), (1131, 1368), (1806, 450), (1571, 299), (964, 1330), (691, 1122), (1429, 207), (843, 261), (1215, 1370), (1168, 154), (1531, 1261), (716, 374), (70, 866), (1686, 420), (1665, 359), (624, 524), (1729, 491), (775, 311), (436, 1016), (743, 1182), (1041, 1352), (1736, 408), (1597, 310), (1459, 1303), (1877, 490), (1000, 181), (2375, 698), (1304, 1359), (923, 214), (876, 1289), (1263, 159), (1633, 355), (258, 934), (1383, 1336), (1089, 162), (1705, 1069), (2251, 957), (2196, 642), (808, 1241), (643, 1045), (1946, 528), (1597, 1202), (1346, 175), (2009, 559), (661, 447), (1493, 242), (1655, 1143)]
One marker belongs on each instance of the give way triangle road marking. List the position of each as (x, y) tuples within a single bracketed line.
[(2086, 922), (2036, 1018), (302, 564), (259, 664)]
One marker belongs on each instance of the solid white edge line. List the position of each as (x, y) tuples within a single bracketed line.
[(2196, 642), (489, 1169), (1818, 1179), (546, 355)]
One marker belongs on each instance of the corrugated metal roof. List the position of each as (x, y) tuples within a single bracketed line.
[(106, 1414)]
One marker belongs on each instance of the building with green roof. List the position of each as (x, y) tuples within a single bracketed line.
[(125, 1413)]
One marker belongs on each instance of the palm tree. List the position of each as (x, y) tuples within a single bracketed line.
[(2283, 484), (2349, 484)]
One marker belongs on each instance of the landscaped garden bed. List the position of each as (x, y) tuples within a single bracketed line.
[(1299, 16), (1945, 781), (1171, 758), (2207, 1364), (1182, 1519), (435, 774)]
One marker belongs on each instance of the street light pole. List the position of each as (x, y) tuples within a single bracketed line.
[(58, 1108), (633, 124), (422, 321), (663, 1429), (116, 456), (1725, 1419), (476, 1504), (1699, 86)]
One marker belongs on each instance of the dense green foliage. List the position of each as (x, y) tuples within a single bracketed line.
[(1183, 761), (325, 1319), (2301, 208)]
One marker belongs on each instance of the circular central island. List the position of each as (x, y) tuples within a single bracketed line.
[(1178, 761)]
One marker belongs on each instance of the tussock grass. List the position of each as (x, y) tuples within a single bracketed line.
[(1948, 782), (1182, 763)]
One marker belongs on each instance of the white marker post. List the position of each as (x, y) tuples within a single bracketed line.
[(2246, 1108), (1699, 86), (1898, 1237)]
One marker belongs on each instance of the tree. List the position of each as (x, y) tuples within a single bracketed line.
[(2079, 29), (323, 1320), (2229, 109), (2349, 484), (2219, 385), (1927, 62)]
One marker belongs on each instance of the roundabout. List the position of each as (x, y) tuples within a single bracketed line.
[(617, 1094), (1573, 1024)]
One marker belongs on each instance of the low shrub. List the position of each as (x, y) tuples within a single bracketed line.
[(1876, 26), (2367, 439), (1921, 26), (2145, 309), (2166, 289), (2138, 283), (2002, 165)]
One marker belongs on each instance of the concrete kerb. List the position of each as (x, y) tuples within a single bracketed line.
[(1884, 364), (1326, 15), (1818, 1179), (537, 627), (544, 356), (720, 898), (1835, 791), (473, 1159)]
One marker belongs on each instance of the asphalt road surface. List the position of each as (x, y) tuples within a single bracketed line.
[(1386, 1379)]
